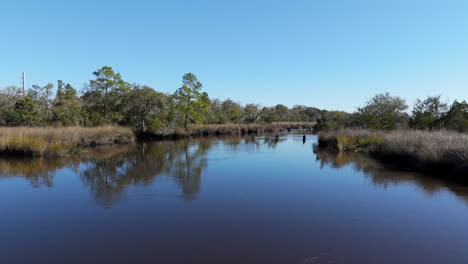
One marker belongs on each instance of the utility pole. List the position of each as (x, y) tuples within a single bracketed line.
[(24, 83)]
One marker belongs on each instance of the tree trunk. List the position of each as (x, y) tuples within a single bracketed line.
[(186, 119), (187, 112)]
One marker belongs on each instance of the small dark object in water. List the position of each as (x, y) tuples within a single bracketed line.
[(276, 137), (303, 138), (289, 129)]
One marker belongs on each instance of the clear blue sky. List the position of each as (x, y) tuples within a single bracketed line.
[(325, 53)]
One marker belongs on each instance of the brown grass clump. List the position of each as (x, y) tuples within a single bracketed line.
[(54, 142), (351, 139), (423, 149), (232, 129)]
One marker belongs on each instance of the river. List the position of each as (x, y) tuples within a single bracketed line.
[(227, 200)]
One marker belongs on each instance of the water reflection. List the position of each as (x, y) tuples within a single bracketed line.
[(383, 175), (108, 171), (183, 160), (38, 172)]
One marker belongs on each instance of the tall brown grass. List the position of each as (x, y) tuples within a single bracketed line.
[(52, 142), (232, 129), (422, 149)]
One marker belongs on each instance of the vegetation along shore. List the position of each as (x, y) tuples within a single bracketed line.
[(61, 141), (197, 130), (55, 142), (57, 120), (423, 150), (432, 138)]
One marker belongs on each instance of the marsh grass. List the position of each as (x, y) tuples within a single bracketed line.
[(230, 129), (55, 142), (442, 149)]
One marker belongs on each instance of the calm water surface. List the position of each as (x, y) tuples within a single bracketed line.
[(230, 200)]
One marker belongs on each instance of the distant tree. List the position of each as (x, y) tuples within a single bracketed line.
[(298, 114), (331, 120), (202, 105), (145, 109), (427, 114), (275, 114), (42, 98), (251, 113), (281, 113), (216, 115), (383, 111), (8, 97), (457, 117), (104, 96), (191, 103), (231, 111), (67, 108), (24, 113), (268, 115), (302, 113)]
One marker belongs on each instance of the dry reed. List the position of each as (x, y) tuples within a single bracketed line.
[(422, 149), (52, 142), (231, 129)]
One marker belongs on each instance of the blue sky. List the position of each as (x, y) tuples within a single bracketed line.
[(325, 53)]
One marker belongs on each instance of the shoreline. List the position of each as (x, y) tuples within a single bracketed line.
[(195, 131), (56, 142), (433, 152)]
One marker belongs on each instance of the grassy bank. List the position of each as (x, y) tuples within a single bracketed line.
[(423, 150), (60, 141), (54, 142), (228, 129)]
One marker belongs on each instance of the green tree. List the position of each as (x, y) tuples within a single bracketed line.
[(191, 103), (281, 113), (251, 113), (302, 113), (427, 114), (331, 120), (104, 96), (231, 111), (267, 115), (145, 108), (42, 98), (457, 117), (8, 97), (216, 115), (66, 107), (24, 113), (383, 111)]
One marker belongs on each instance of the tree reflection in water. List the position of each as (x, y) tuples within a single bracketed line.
[(183, 160), (108, 171), (382, 174), (38, 172)]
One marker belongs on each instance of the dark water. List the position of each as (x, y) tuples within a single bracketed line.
[(229, 200)]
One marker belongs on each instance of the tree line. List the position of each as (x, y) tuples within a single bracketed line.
[(387, 112), (108, 99)]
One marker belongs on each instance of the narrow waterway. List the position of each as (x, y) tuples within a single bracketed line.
[(227, 200)]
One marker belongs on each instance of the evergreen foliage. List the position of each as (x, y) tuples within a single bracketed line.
[(107, 99)]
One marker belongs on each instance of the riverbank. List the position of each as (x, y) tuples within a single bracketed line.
[(431, 151), (226, 130), (55, 142), (60, 141)]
